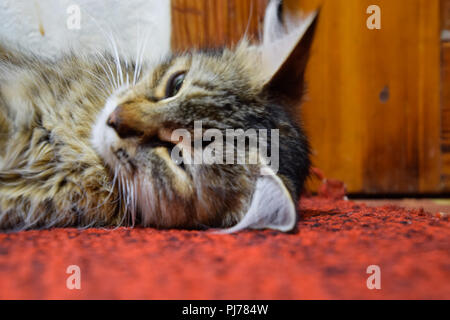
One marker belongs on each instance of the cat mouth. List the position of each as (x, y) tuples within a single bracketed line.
[(156, 142), (164, 139), (159, 142), (172, 148)]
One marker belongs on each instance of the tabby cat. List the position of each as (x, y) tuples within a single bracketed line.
[(86, 140)]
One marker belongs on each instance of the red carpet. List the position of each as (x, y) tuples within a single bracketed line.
[(326, 257)]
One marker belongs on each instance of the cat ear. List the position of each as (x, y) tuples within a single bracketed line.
[(271, 206), (285, 51)]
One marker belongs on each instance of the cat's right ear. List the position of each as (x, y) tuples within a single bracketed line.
[(271, 206), (285, 51)]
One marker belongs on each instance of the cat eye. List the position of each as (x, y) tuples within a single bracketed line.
[(174, 84)]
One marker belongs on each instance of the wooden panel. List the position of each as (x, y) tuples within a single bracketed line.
[(373, 108), (445, 92), (373, 111), (445, 14), (209, 24), (445, 131)]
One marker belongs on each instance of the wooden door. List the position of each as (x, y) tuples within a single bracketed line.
[(373, 110), (445, 93)]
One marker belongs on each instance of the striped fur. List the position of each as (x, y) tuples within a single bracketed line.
[(62, 165)]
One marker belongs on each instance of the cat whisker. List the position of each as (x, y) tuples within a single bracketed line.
[(131, 202), (117, 60), (109, 74), (140, 56), (127, 191), (111, 40), (127, 73), (123, 200), (249, 21), (127, 197), (137, 54), (139, 45), (101, 86)]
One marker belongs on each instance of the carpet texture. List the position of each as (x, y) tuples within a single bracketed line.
[(327, 257)]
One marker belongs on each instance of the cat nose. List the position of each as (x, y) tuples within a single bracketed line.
[(120, 126), (113, 121)]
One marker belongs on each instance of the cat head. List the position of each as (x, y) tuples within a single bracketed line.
[(207, 138)]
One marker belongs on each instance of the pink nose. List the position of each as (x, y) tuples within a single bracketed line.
[(113, 120), (123, 128)]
